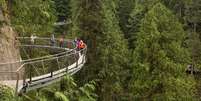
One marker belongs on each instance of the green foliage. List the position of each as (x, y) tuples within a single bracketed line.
[(63, 13), (86, 18), (33, 16), (125, 8), (137, 13), (193, 44), (5, 13), (75, 13), (86, 92), (75, 93), (68, 84), (60, 97), (159, 59), (192, 15), (6, 93), (111, 54), (68, 92), (178, 7), (63, 9), (3, 5)]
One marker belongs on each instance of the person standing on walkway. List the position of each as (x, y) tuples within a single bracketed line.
[(33, 37), (78, 44), (75, 42), (52, 40), (61, 41), (190, 69), (81, 44)]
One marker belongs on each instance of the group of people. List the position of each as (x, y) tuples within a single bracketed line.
[(79, 44), (53, 41)]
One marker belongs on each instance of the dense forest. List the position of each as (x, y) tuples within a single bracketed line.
[(138, 50)]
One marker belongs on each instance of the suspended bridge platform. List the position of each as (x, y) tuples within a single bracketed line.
[(31, 72)]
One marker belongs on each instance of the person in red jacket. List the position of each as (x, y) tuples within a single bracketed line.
[(81, 44)]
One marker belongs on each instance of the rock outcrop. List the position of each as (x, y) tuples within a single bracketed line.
[(9, 52)]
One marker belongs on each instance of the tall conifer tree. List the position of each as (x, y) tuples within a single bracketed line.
[(159, 58), (139, 9), (112, 54)]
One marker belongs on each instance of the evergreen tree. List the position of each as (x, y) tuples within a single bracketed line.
[(178, 7), (193, 43), (125, 8), (111, 55), (193, 25), (137, 13), (33, 16), (192, 16), (62, 9), (159, 59)]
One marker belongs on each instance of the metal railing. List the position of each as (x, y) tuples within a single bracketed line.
[(42, 71)]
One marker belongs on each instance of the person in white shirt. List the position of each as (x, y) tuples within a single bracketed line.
[(33, 37)]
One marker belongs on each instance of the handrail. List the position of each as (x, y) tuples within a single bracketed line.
[(51, 58), (39, 45), (47, 56), (31, 62), (42, 38), (74, 67)]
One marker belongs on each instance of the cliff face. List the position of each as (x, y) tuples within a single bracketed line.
[(9, 52)]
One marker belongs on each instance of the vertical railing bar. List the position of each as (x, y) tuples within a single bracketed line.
[(83, 57), (68, 63), (58, 62), (24, 82), (51, 72), (30, 75), (76, 58), (17, 83), (42, 62)]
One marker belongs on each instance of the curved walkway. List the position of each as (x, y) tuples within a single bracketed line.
[(42, 71)]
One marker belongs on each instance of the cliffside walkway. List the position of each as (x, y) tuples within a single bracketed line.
[(42, 71)]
